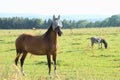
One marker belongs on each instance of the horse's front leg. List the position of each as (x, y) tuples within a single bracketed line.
[(99, 46), (92, 43), (54, 59), (49, 63)]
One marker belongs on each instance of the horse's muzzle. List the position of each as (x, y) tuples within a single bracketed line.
[(58, 30), (59, 33)]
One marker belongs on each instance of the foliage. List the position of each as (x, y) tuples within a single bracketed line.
[(26, 23), (75, 60)]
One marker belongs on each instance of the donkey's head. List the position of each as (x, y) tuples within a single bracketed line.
[(105, 43), (57, 25)]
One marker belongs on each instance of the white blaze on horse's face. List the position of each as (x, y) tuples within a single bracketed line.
[(57, 22)]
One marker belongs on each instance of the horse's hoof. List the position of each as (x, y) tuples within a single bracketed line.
[(24, 74), (51, 76)]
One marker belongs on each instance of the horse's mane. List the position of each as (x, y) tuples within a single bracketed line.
[(48, 31), (104, 41)]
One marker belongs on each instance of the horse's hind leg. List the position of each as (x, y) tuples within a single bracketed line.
[(54, 59), (22, 61), (17, 57)]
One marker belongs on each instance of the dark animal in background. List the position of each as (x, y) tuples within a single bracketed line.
[(45, 44), (98, 40)]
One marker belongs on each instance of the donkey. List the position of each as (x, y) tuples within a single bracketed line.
[(98, 40), (46, 44)]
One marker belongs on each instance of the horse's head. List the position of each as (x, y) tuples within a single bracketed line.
[(105, 43), (57, 25)]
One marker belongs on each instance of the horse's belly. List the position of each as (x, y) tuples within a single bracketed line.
[(37, 50), (40, 52)]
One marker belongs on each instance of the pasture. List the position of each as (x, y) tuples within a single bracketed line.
[(75, 59)]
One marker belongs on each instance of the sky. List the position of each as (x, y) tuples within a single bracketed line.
[(62, 7)]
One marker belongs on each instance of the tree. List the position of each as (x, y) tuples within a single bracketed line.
[(114, 20), (97, 24), (66, 23), (26, 23), (105, 23), (82, 23)]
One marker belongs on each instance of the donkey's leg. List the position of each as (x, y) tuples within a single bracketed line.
[(54, 59), (22, 61), (16, 59), (92, 44), (101, 45), (49, 62)]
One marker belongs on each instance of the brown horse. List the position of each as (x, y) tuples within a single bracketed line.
[(45, 44)]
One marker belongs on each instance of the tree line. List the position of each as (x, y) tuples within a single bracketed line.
[(27, 23)]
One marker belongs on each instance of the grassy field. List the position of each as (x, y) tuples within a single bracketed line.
[(75, 60)]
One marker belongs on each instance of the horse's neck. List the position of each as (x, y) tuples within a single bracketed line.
[(103, 41), (51, 35)]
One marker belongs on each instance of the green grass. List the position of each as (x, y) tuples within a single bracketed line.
[(75, 60)]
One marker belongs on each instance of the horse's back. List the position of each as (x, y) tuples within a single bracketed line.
[(96, 39), (21, 38), (93, 39)]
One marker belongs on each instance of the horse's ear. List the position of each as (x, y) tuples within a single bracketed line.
[(59, 17), (53, 17)]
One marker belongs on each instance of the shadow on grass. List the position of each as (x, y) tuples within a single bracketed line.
[(10, 50), (116, 59), (103, 55), (70, 51), (59, 62), (40, 62), (1, 40), (76, 43), (10, 42)]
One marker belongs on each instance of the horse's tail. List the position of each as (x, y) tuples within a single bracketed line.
[(19, 44), (18, 53)]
